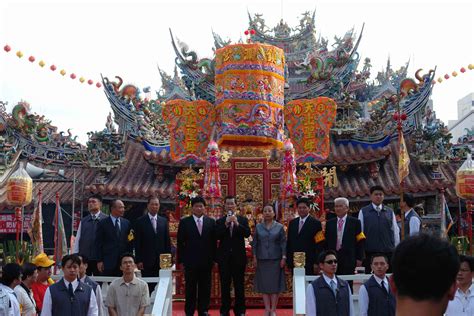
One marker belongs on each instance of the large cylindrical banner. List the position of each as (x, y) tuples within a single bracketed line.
[(249, 95)]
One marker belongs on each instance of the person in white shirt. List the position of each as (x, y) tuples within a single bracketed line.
[(412, 223), (11, 274), (375, 296), (328, 294), (23, 290), (69, 294), (463, 302)]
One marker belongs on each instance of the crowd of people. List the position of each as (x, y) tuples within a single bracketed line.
[(427, 272)]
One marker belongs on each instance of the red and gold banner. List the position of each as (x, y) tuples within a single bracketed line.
[(190, 125), (249, 95), (309, 123)]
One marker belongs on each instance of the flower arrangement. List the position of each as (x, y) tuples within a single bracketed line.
[(310, 185), (187, 186)]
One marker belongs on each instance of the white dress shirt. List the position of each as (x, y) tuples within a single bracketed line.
[(26, 301), (15, 306), (98, 294), (414, 223), (364, 295), (395, 229), (78, 235), (48, 302), (462, 304), (311, 299)]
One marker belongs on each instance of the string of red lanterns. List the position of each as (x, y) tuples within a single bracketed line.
[(454, 74), (53, 67)]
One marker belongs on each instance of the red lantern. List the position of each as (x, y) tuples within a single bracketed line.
[(90, 81), (31, 59), (19, 188), (463, 70), (246, 32), (395, 116), (98, 85), (252, 31), (446, 76), (403, 116), (7, 48), (53, 67), (73, 76)]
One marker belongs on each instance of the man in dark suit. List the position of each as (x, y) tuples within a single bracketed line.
[(304, 235), (196, 251), (152, 238), (86, 233), (344, 235), (113, 239), (231, 231)]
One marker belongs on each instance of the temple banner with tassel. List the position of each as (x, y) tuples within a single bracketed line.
[(60, 241), (36, 227), (212, 181), (404, 160)]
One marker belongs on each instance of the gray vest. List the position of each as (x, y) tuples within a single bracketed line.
[(380, 301), (407, 222), (328, 304), (63, 304), (378, 229), (88, 231), (93, 284)]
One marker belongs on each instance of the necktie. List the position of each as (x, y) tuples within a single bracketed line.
[(301, 226), (384, 288), (340, 224), (334, 287), (153, 223), (199, 225), (70, 291), (231, 228), (378, 208), (117, 228)]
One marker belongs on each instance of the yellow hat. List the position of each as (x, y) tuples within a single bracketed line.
[(42, 260)]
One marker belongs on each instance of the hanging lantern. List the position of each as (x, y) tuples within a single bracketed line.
[(440, 80), (465, 180), (41, 63), (454, 74), (90, 81), (53, 68), (446, 76), (82, 79), (73, 76), (98, 85), (31, 59), (471, 66), (62, 72), (19, 54), (7, 48), (463, 70), (19, 188)]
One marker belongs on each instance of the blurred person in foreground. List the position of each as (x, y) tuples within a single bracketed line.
[(463, 302)]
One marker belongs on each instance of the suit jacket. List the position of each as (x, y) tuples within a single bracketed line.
[(196, 250), (306, 241), (148, 244), (352, 247), (234, 245), (109, 247)]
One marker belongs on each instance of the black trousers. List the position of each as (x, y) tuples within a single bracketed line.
[(198, 285), (92, 268), (231, 271), (368, 257)]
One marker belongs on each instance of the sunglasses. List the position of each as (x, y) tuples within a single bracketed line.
[(331, 261)]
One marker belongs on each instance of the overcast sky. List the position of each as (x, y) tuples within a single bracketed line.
[(131, 38)]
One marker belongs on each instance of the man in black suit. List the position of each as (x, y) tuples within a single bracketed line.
[(304, 235), (344, 235), (196, 251), (152, 238), (231, 231), (113, 239)]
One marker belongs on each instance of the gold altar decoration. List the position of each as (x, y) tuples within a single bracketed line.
[(165, 261), (299, 259), (249, 184)]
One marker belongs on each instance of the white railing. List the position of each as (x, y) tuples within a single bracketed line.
[(301, 281), (160, 298)]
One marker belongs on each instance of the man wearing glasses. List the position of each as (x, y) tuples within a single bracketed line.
[(328, 294)]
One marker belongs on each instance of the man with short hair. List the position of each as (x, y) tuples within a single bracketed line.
[(128, 295), (11, 277), (23, 290), (328, 294), (412, 219), (152, 238), (344, 235), (375, 296), (86, 233), (84, 278), (196, 251), (463, 302), (424, 275), (304, 235), (69, 296), (43, 280), (113, 239), (379, 226)]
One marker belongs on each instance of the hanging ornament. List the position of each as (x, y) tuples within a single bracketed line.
[(471, 66), (440, 80), (31, 59), (446, 76), (98, 85), (288, 171), (82, 79), (41, 63), (53, 68), (212, 181), (455, 74), (62, 72), (90, 81), (7, 48), (73, 76), (19, 54), (19, 187), (463, 70)]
